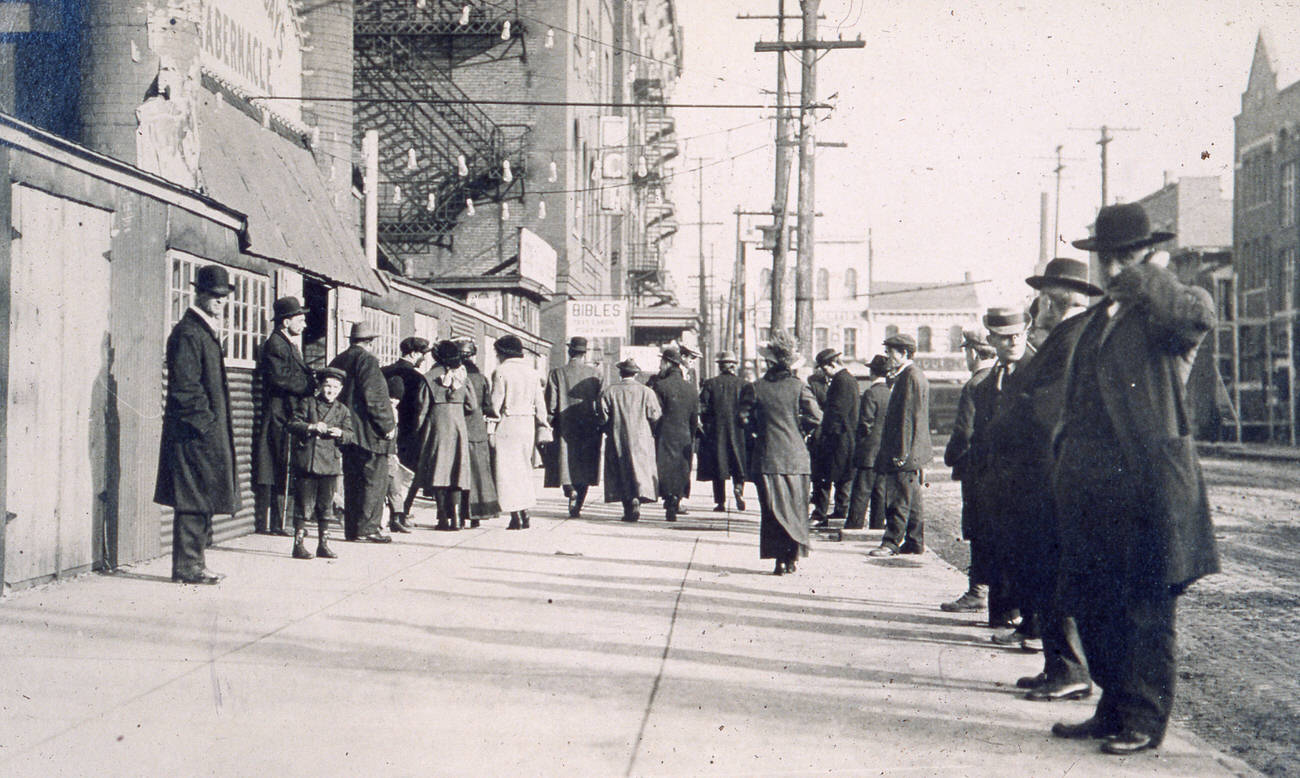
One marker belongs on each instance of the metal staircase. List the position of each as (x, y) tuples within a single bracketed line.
[(435, 145), (435, 28)]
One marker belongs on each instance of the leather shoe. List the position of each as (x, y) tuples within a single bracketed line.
[(1031, 681), (1012, 638), (719, 508), (201, 577), (882, 551), (820, 521), (1130, 741), (1055, 692), (1092, 729), (1032, 645), (376, 537), (967, 603), (911, 548), (740, 503), (397, 526)]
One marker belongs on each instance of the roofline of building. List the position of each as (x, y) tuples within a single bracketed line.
[(513, 282), (433, 295)]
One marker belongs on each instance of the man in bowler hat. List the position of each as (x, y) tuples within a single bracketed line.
[(675, 432), (573, 458), (286, 381), (1134, 517), (904, 450), (722, 440), (832, 444), (365, 462), (196, 457)]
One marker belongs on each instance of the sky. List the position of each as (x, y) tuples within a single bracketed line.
[(952, 114)]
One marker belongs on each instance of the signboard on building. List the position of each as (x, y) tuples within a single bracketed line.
[(613, 162), (537, 260), (487, 302), (254, 44), (591, 317)]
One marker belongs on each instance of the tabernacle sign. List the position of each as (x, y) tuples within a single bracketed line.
[(604, 317)]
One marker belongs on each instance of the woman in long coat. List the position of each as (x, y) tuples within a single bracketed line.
[(777, 410), (444, 466), (628, 411), (675, 434), (480, 500), (517, 402)]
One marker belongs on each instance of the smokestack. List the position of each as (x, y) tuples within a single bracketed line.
[(1044, 234)]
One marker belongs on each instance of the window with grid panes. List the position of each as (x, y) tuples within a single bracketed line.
[(247, 314), (384, 347), (1288, 204), (850, 343)]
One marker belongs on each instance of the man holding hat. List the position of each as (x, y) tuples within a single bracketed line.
[(867, 499), (1134, 517), (980, 357), (573, 459), (365, 463), (627, 413), (722, 445), (832, 445), (412, 408), (1021, 434), (286, 381), (675, 434), (905, 450), (196, 456)]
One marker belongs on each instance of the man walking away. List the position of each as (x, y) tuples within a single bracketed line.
[(627, 412), (867, 496), (722, 446), (196, 456), (365, 463), (904, 450), (832, 455), (675, 435), (573, 459)]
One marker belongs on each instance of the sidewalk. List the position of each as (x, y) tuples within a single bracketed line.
[(579, 647)]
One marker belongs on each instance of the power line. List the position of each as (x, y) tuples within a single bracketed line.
[(554, 103)]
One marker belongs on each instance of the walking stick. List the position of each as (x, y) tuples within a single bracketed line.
[(288, 440)]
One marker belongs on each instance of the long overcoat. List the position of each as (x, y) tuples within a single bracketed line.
[(1147, 350), (444, 454), (196, 455), (412, 410), (627, 412), (906, 434), (832, 450), (573, 459), (871, 424), (365, 391), (675, 435), (286, 382), (722, 448), (482, 481), (777, 410)]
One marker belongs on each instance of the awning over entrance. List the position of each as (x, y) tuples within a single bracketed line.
[(278, 186)]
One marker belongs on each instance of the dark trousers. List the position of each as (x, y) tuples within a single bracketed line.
[(631, 510), (365, 484), (579, 493), (190, 533), (821, 497), (720, 489), (867, 501), (315, 498), (269, 505), (904, 523), (1064, 660)]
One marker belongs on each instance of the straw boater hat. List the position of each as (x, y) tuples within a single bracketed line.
[(1121, 228), (1006, 321), (1066, 273)]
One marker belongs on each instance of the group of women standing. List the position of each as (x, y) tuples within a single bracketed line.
[(471, 472)]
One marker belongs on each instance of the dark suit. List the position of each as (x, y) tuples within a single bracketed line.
[(412, 408), (286, 381), (675, 435), (957, 455), (365, 463), (722, 447), (196, 456), (1135, 521), (867, 502), (832, 449), (905, 450)]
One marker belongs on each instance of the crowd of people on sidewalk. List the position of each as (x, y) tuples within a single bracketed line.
[(1082, 497)]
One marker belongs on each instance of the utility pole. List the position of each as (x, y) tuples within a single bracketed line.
[(808, 46), (703, 305), (1056, 221), (1103, 142), (738, 283)]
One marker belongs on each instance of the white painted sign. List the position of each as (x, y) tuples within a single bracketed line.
[(255, 45), (487, 302), (604, 317), (537, 260)]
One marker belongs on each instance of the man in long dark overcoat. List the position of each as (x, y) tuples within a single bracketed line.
[(365, 463), (196, 457), (722, 444), (286, 381), (412, 408), (905, 450), (675, 434), (832, 450), (867, 498), (1021, 439), (1135, 519), (573, 458)]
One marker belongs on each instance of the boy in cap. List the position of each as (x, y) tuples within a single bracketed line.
[(321, 424)]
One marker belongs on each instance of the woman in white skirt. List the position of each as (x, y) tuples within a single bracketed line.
[(517, 401)]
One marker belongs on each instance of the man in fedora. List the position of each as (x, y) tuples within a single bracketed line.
[(722, 442), (675, 433), (905, 450), (980, 358), (1135, 525), (573, 458), (867, 499), (832, 445), (196, 457), (286, 380), (1022, 443), (412, 408), (365, 463), (627, 413)]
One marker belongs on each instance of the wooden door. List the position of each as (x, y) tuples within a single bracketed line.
[(60, 403)]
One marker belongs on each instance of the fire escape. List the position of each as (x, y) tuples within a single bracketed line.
[(646, 274), (438, 150)]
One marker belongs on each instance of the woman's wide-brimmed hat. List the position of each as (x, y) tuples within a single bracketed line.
[(1121, 228), (1066, 273)]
